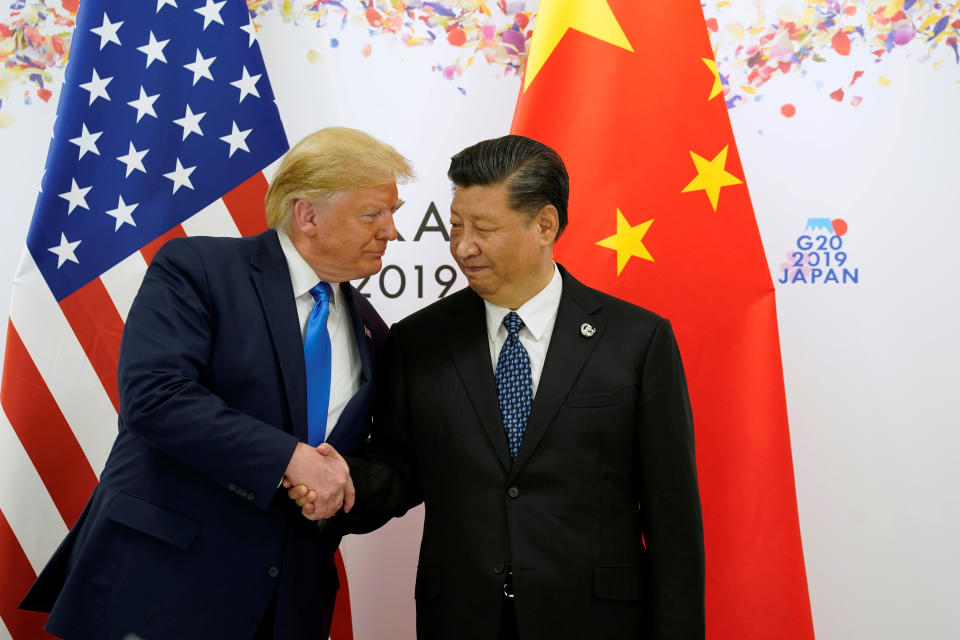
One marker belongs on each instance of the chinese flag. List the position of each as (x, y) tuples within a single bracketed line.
[(628, 93)]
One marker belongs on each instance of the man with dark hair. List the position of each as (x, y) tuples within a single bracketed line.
[(546, 427), (534, 173)]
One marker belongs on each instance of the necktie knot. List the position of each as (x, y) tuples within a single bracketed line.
[(513, 323), (322, 292)]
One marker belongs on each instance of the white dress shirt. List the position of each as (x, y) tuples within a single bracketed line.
[(539, 314), (346, 371)]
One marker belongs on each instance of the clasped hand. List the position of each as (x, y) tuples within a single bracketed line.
[(319, 481)]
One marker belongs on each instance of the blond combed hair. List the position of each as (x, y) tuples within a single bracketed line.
[(328, 162)]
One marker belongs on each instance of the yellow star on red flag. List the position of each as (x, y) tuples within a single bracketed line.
[(591, 17), (717, 85), (712, 175), (627, 241)]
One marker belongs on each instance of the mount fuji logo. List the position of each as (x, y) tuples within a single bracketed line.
[(819, 255)]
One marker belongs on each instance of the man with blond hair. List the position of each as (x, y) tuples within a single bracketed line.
[(239, 357)]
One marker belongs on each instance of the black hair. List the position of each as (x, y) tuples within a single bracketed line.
[(533, 172)]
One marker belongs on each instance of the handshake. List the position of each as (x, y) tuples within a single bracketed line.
[(319, 481)]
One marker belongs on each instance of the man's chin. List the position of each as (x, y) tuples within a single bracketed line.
[(367, 269), (373, 267), (478, 285)]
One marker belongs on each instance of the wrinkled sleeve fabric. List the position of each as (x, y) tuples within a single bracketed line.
[(670, 502), (165, 354)]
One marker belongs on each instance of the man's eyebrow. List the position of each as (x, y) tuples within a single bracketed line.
[(380, 206), (475, 217)]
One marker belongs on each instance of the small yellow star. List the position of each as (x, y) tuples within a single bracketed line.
[(627, 241), (711, 176), (717, 85), (591, 17)]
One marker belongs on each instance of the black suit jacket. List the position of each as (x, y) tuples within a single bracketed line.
[(186, 535), (599, 516)]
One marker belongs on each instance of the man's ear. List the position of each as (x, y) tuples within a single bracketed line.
[(305, 217), (548, 223)]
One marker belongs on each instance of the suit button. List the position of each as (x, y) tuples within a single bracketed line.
[(251, 496), (273, 572), (498, 568), (232, 487), (513, 492)]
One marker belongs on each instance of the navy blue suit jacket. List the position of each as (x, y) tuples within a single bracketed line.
[(187, 535)]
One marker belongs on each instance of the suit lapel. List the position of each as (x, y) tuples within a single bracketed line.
[(271, 278), (360, 330), (568, 352), (466, 334), (340, 436)]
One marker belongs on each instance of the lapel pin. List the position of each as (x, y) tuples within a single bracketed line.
[(366, 332), (587, 330)]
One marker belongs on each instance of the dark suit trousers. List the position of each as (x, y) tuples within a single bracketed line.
[(508, 621)]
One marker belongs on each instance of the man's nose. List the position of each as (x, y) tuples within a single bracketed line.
[(464, 247), (387, 231)]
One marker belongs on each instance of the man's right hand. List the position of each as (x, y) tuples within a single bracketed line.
[(328, 476)]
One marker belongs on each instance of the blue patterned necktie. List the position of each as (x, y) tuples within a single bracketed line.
[(514, 384), (316, 353)]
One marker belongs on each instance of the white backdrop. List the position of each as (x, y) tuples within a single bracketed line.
[(869, 366)]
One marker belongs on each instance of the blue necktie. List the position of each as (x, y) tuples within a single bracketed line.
[(316, 353), (514, 384)]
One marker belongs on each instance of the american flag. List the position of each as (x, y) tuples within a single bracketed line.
[(165, 122)]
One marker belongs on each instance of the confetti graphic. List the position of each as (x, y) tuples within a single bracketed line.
[(35, 38), (496, 32), (34, 44), (799, 34), (788, 39)]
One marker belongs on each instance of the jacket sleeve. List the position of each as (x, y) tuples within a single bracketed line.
[(385, 476), (670, 502), (164, 357)]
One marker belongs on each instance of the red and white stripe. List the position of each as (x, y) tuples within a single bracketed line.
[(59, 403)]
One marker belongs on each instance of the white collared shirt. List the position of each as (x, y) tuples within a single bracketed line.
[(346, 371), (539, 314)]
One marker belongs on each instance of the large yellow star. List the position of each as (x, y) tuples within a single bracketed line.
[(591, 17), (627, 241), (711, 176), (717, 85)]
